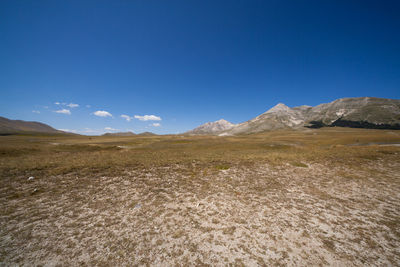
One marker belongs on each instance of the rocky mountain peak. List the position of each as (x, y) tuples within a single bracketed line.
[(223, 122), (279, 108)]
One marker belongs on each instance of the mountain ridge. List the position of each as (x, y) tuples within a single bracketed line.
[(358, 112), (355, 112), (8, 126)]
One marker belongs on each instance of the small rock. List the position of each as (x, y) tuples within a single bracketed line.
[(30, 178), (138, 206)]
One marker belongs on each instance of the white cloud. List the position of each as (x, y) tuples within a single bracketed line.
[(36, 111), (148, 118), (156, 124), (57, 103), (110, 129), (126, 117), (72, 105), (88, 130), (102, 113), (63, 111)]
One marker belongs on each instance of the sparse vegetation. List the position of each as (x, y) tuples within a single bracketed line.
[(269, 198), (299, 164)]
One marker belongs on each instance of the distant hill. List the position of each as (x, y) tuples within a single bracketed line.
[(147, 134), (18, 126), (120, 134), (212, 127)]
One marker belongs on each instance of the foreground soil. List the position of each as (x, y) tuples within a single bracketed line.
[(197, 212)]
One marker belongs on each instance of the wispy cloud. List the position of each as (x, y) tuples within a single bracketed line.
[(67, 130), (110, 129), (72, 105), (126, 117), (156, 124), (148, 118), (63, 111), (88, 130), (102, 113), (36, 111)]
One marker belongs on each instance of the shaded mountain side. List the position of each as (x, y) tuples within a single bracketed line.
[(353, 124), (8, 126), (120, 134)]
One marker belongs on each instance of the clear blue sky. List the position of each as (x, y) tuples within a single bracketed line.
[(189, 62)]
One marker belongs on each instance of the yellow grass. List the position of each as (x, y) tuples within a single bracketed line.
[(56, 155), (300, 198)]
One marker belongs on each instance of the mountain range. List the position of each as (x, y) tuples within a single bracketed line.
[(360, 112), (129, 134)]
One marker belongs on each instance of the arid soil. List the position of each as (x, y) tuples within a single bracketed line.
[(252, 214)]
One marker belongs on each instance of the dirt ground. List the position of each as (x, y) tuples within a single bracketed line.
[(178, 215)]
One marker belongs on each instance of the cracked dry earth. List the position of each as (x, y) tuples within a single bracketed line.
[(188, 215)]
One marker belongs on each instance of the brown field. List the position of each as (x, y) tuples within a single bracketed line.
[(298, 198)]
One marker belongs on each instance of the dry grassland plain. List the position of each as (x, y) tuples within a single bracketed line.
[(328, 196)]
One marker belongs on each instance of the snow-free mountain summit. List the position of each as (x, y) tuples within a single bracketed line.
[(360, 112)]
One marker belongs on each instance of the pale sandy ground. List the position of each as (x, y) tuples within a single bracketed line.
[(184, 215)]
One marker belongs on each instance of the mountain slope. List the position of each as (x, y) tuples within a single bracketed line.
[(278, 117), (375, 111), (360, 112), (212, 127), (18, 126), (147, 134), (120, 134)]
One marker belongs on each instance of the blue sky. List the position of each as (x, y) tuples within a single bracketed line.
[(189, 62)]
